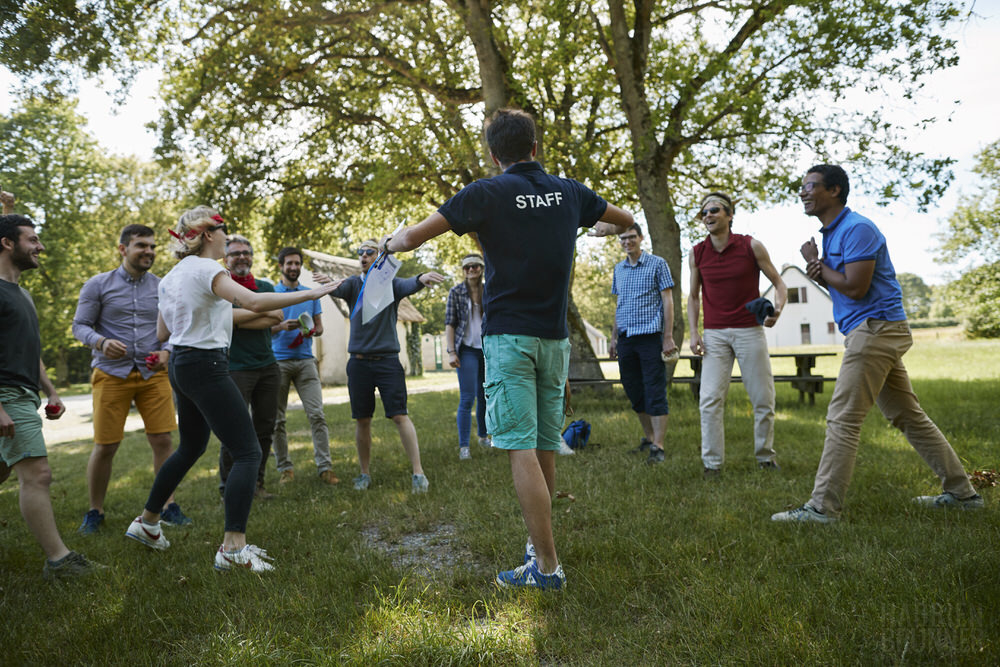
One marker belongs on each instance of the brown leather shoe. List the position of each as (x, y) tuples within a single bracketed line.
[(287, 476), (328, 477), (262, 494)]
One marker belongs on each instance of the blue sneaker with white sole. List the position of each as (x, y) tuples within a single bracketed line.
[(530, 575), (173, 516), (92, 520)]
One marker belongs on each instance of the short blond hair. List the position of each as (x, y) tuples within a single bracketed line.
[(188, 238)]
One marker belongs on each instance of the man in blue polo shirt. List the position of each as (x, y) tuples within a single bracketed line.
[(643, 336), (292, 345), (868, 309), (527, 222)]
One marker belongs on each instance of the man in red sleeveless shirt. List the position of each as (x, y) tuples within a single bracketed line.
[(725, 273)]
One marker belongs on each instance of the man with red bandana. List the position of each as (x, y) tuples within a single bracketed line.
[(251, 362)]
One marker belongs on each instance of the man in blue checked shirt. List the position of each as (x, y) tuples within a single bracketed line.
[(643, 336)]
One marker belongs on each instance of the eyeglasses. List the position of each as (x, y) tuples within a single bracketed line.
[(472, 267), (709, 211), (364, 252), (809, 186), (240, 253), (628, 237)]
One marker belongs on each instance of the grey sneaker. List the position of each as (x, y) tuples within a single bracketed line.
[(769, 465), (655, 455), (711, 473), (420, 484), (464, 454), (804, 514), (946, 499), (69, 566), (644, 445), (362, 482), (486, 442)]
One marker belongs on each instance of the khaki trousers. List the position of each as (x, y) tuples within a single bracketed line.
[(873, 373)]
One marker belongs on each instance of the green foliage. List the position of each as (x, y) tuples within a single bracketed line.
[(916, 295), (941, 302), (332, 117), (977, 295), (701, 576), (80, 198), (973, 229)]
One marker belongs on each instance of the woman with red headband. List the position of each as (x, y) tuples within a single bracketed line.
[(196, 317)]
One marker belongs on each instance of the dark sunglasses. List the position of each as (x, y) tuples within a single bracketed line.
[(218, 227), (706, 211), (362, 252)]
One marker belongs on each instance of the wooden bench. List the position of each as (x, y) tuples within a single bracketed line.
[(804, 380)]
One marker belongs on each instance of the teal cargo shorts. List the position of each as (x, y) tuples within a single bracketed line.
[(525, 383), (22, 405)]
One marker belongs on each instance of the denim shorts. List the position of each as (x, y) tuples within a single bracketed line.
[(525, 385)]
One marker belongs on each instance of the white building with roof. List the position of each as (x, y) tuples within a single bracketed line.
[(807, 318)]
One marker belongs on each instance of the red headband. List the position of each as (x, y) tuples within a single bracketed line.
[(191, 233)]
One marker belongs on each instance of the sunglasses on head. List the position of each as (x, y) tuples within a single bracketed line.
[(706, 211), (362, 252)]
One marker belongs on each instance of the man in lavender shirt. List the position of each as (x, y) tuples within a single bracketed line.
[(116, 317)]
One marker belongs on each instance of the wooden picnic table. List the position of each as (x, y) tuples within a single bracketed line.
[(805, 380)]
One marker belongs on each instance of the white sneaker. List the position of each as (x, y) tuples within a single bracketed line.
[(464, 454), (565, 449), (151, 536), (250, 557)]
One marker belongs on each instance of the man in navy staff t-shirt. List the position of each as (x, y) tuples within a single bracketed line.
[(527, 223)]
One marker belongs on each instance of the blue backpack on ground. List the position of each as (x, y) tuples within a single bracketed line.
[(577, 434)]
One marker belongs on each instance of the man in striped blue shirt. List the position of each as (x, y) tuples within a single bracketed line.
[(643, 336)]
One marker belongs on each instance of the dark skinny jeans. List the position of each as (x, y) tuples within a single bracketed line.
[(208, 401)]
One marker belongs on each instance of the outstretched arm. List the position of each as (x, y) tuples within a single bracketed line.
[(413, 237), (259, 302), (614, 221)]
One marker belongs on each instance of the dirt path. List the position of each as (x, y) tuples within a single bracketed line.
[(77, 424)]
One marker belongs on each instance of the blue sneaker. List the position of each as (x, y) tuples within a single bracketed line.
[(530, 576), (362, 482), (173, 516), (92, 520), (420, 484)]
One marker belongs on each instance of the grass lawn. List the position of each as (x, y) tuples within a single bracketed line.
[(662, 567)]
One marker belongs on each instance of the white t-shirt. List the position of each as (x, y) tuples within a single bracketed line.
[(194, 314), (473, 329)]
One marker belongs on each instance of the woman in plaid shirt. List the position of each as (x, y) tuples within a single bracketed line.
[(463, 335)]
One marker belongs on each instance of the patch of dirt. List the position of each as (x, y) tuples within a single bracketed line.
[(426, 553)]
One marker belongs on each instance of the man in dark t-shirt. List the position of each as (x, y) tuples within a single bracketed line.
[(527, 222), (374, 364), (251, 361), (22, 373)]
